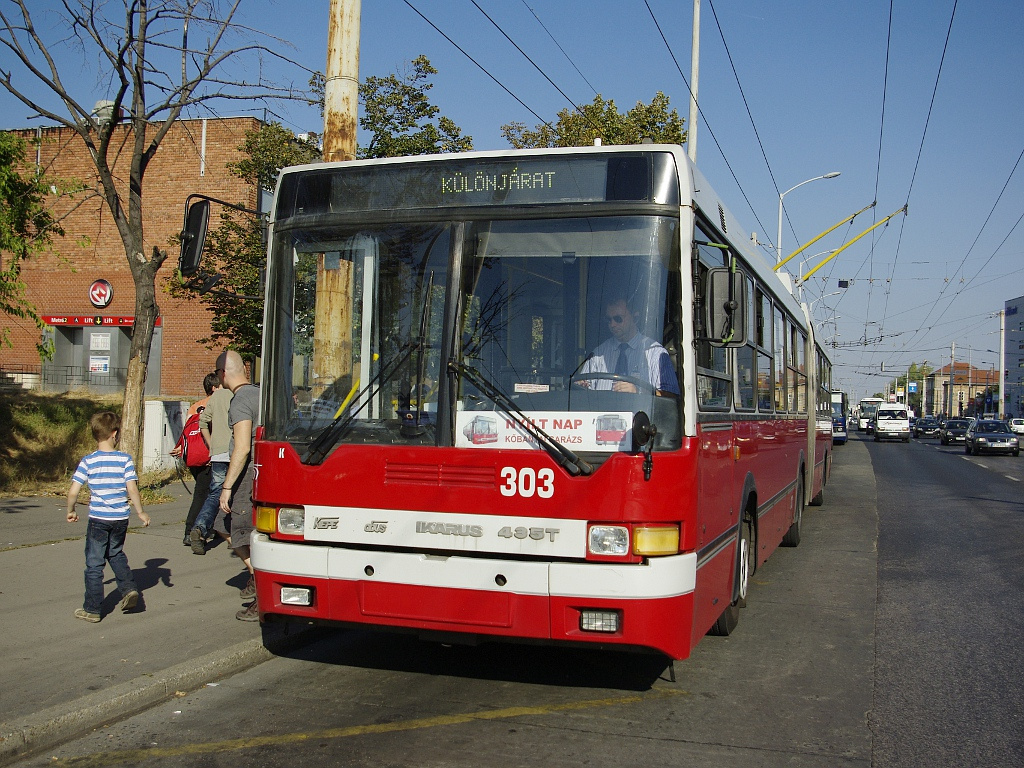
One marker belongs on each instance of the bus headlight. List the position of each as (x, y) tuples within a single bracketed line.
[(656, 540), (291, 520), (608, 540)]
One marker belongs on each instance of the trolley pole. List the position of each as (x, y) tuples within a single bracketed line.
[(341, 89)]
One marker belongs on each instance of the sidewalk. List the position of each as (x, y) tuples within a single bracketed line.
[(62, 675)]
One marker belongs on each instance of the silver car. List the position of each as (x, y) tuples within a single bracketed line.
[(990, 436)]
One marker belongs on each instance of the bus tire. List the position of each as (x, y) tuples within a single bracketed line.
[(745, 557), (792, 537)]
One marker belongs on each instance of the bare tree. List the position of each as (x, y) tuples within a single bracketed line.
[(135, 45)]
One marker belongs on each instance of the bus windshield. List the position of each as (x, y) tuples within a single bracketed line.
[(431, 332)]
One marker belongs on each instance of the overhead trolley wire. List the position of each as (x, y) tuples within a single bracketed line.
[(920, 151), (714, 138), (743, 96), (535, 66), (973, 244), (560, 48), (483, 69)]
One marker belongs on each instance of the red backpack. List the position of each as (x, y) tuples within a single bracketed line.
[(194, 449)]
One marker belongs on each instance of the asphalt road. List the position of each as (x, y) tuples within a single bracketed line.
[(792, 686), (890, 638), (949, 682)]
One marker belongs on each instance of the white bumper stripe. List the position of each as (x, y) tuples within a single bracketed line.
[(661, 577)]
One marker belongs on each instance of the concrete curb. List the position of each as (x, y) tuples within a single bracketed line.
[(58, 724)]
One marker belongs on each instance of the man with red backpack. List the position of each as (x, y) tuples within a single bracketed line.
[(192, 448)]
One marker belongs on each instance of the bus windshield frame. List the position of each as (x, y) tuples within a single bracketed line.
[(513, 298)]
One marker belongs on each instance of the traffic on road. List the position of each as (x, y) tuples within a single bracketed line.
[(825, 638)]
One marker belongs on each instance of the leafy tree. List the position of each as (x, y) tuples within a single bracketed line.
[(133, 47), (601, 119), (235, 251), (398, 115), (26, 228)]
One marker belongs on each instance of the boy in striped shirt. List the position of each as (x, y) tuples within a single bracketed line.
[(113, 484)]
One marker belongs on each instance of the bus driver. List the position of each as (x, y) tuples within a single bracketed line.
[(630, 354)]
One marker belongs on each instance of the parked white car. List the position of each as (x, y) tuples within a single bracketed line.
[(1017, 426)]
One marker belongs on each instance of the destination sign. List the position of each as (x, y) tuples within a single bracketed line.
[(472, 181)]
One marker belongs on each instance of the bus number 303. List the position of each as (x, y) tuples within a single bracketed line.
[(527, 482)]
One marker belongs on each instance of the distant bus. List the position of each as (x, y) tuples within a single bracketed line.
[(840, 411), (868, 409)]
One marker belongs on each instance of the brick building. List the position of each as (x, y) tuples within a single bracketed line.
[(84, 288)]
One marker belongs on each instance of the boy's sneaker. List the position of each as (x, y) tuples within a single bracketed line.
[(198, 542), (249, 613), (81, 613), (249, 590), (129, 601)]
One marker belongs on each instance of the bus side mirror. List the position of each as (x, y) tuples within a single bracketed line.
[(193, 237), (725, 305)]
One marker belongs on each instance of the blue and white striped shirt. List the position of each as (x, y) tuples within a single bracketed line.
[(107, 474)]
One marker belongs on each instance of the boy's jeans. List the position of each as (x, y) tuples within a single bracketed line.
[(208, 512), (104, 543)]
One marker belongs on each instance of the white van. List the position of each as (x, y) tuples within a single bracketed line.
[(892, 422)]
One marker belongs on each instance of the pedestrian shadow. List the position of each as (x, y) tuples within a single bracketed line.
[(239, 580), (150, 576)]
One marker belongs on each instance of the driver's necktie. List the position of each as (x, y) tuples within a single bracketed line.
[(622, 364)]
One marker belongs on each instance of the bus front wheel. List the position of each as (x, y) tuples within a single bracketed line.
[(745, 558)]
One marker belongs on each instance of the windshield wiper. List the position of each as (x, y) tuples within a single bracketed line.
[(565, 457), (330, 435)]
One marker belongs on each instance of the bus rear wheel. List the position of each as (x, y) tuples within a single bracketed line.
[(745, 558)]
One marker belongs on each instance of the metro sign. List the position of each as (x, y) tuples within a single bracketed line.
[(101, 293)]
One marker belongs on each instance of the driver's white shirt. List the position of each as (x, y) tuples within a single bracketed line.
[(647, 360)]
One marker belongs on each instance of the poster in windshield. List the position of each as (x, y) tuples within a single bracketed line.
[(577, 430)]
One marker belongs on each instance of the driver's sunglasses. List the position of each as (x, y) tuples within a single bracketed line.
[(618, 319)]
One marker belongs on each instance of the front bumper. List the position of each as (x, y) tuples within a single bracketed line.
[(487, 596), (894, 435)]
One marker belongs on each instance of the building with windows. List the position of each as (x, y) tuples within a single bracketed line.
[(971, 391), (83, 288)]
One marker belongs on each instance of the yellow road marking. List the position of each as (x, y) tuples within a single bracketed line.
[(121, 757)]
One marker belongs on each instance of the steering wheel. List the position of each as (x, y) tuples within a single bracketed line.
[(642, 387)]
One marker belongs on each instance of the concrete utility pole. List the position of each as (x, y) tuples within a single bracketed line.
[(952, 378), (691, 126), (341, 89), (1001, 408), (332, 347)]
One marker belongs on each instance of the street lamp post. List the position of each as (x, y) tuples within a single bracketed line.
[(778, 241)]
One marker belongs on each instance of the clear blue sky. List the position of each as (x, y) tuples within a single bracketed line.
[(814, 77)]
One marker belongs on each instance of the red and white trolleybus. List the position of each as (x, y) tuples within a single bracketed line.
[(428, 458)]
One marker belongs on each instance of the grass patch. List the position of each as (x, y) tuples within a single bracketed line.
[(43, 437)]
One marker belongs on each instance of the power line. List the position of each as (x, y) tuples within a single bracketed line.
[(714, 138), (560, 48), (920, 148), (483, 69), (535, 66)]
